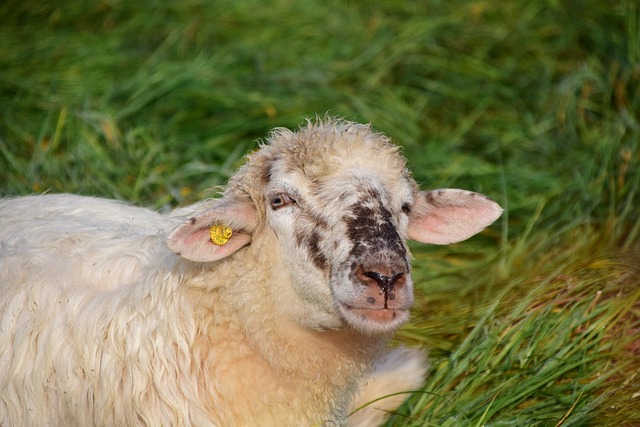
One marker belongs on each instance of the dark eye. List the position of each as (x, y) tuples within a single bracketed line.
[(406, 208), (281, 200)]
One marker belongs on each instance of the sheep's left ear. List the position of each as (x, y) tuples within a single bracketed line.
[(192, 240), (447, 216)]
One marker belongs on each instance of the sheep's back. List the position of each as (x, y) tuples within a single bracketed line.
[(71, 241), (85, 312)]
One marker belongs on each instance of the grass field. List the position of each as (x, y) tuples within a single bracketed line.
[(535, 103)]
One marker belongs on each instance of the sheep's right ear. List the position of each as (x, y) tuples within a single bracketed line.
[(192, 239), (450, 215)]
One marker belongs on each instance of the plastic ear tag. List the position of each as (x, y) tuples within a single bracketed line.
[(220, 234)]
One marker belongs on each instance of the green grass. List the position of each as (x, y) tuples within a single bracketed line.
[(535, 103)]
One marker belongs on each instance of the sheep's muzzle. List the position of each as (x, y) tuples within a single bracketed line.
[(381, 299)]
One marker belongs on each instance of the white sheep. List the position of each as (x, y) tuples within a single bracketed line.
[(113, 315)]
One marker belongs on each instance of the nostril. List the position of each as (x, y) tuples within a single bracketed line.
[(385, 283), (379, 278)]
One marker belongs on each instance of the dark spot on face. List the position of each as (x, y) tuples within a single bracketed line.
[(371, 300), (265, 175), (309, 238), (317, 220), (317, 256), (392, 296), (311, 242), (394, 314), (370, 228), (192, 220)]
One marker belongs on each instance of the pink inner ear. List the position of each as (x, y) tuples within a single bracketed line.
[(192, 241), (447, 216), (196, 245)]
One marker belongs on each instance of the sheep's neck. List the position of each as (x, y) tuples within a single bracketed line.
[(283, 367), (282, 375)]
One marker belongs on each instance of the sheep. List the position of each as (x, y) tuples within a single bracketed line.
[(272, 305)]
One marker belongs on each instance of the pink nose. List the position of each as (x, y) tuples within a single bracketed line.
[(386, 283), (385, 278)]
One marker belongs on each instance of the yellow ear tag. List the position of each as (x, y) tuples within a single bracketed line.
[(220, 234)]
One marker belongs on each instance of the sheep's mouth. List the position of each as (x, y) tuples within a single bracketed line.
[(373, 319)]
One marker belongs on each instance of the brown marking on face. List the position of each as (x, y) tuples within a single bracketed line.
[(310, 241), (372, 230), (316, 220), (265, 174), (317, 256)]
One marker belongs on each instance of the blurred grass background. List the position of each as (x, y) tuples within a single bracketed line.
[(535, 103)]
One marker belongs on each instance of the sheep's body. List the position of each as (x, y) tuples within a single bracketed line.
[(61, 324), (102, 324)]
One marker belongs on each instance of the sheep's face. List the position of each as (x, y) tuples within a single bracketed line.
[(337, 201), (342, 239)]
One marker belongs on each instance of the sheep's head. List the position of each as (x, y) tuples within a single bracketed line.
[(340, 204)]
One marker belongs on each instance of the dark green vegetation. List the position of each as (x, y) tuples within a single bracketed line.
[(535, 103)]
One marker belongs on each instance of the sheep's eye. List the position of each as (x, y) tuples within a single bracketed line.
[(406, 208), (281, 200)]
